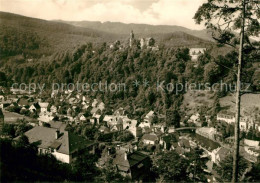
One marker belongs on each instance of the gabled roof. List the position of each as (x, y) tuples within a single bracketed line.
[(36, 105), (108, 117), (43, 104), (151, 113), (184, 143), (67, 143), (132, 159), (222, 152), (151, 137), (58, 125), (23, 102)]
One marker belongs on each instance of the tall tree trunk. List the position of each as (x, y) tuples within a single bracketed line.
[(238, 97)]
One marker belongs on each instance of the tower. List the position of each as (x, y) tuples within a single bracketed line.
[(142, 43), (132, 37)]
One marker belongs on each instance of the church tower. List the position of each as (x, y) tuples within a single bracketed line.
[(132, 37)]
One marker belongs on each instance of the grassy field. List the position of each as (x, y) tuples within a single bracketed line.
[(194, 99), (249, 102)]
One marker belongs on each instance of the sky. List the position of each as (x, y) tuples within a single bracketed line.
[(155, 12)]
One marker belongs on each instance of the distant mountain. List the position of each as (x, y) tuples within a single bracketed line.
[(139, 29), (37, 37), (20, 33)]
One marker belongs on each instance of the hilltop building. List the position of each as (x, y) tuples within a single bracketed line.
[(132, 37), (196, 52)]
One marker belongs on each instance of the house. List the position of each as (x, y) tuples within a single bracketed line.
[(95, 111), (145, 124), (101, 106), (5, 104), (46, 117), (58, 125), (194, 118), (252, 143), (2, 118), (94, 103), (136, 131), (196, 52), (44, 107), (149, 117), (118, 126), (135, 165), (245, 121), (184, 144), (132, 127), (108, 118), (62, 145), (150, 139), (103, 129), (119, 112), (252, 151), (23, 102), (35, 108), (226, 117), (219, 154), (97, 118), (207, 132), (73, 100), (53, 109), (82, 117), (69, 112)]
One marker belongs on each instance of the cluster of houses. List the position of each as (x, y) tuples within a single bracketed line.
[(130, 158), (246, 122)]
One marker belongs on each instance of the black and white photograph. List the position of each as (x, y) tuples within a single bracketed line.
[(154, 91)]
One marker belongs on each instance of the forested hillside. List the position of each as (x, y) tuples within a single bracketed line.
[(35, 37), (40, 51)]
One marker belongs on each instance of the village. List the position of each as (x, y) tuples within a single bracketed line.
[(66, 123)]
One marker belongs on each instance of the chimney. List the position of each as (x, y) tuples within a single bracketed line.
[(57, 134)]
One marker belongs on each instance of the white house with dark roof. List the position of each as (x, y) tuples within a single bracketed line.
[(44, 107), (62, 145)]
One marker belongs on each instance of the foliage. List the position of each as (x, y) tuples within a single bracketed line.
[(197, 165), (171, 167), (125, 136), (84, 167), (254, 174), (224, 169), (21, 163)]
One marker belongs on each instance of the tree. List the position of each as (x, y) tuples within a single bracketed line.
[(22, 141), (254, 174), (170, 166), (197, 165), (84, 167), (173, 118), (8, 129), (225, 171), (223, 18)]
